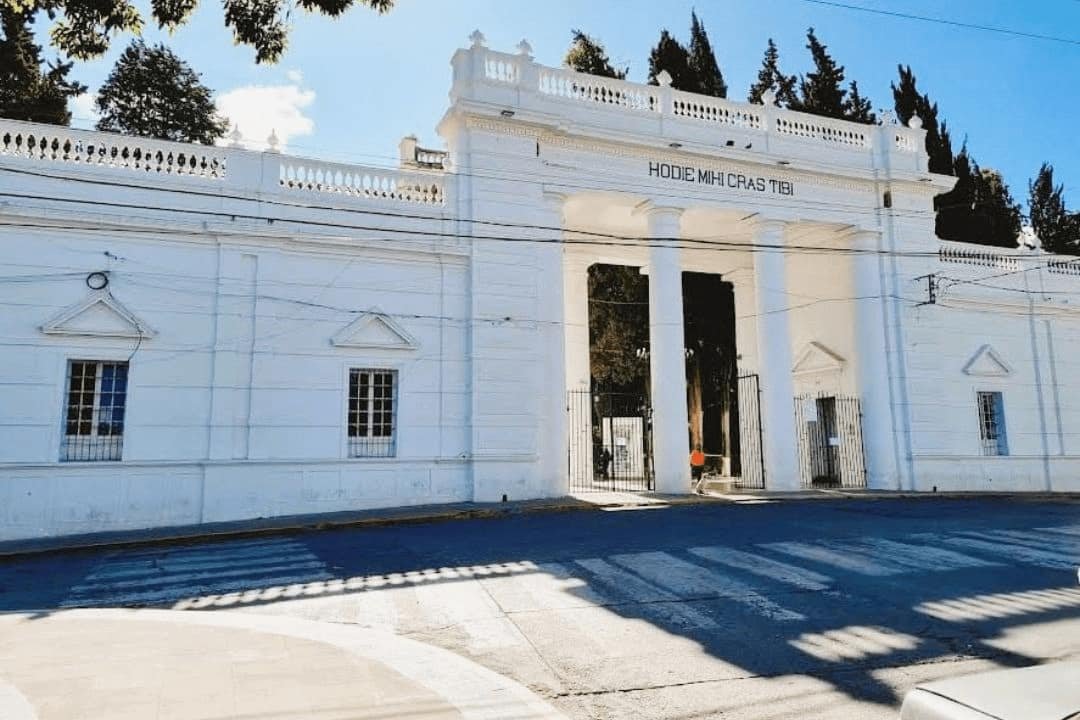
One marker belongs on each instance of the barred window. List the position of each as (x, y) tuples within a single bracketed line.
[(992, 424), (372, 408), (94, 416)]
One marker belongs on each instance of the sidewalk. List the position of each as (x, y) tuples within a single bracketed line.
[(591, 501), (163, 664)]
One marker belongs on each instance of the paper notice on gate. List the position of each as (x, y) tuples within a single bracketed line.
[(809, 409)]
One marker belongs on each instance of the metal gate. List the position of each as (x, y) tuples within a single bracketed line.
[(748, 463), (610, 441), (830, 441)]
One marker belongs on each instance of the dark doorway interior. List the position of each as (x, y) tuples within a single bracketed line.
[(712, 385)]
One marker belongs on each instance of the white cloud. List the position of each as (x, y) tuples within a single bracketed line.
[(295, 77), (259, 110), (84, 113)]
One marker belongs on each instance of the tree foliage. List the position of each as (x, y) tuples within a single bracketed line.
[(980, 208), (692, 69), (153, 93), (84, 29), (770, 78), (670, 55), (822, 92), (704, 70), (29, 91), (618, 328), (909, 102), (1058, 230), (587, 55)]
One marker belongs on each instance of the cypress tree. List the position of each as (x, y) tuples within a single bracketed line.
[(771, 78), (1046, 208), (703, 66), (587, 55), (821, 92), (27, 92), (858, 108), (908, 102), (670, 55)]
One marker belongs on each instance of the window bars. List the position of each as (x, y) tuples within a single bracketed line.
[(992, 424), (372, 406), (94, 416)]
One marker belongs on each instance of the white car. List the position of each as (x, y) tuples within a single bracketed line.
[(1042, 692)]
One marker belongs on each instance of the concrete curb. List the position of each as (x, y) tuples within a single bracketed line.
[(476, 692), (295, 524)]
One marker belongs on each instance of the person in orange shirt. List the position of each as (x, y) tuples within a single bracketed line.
[(697, 463)]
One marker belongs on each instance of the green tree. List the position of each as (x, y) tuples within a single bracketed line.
[(980, 208), (153, 93), (771, 78), (618, 328), (84, 29), (27, 90), (821, 91), (587, 55), (909, 102), (858, 108), (704, 69), (670, 55), (997, 213), (1053, 224)]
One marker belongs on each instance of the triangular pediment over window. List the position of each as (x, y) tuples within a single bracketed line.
[(816, 358), (986, 362), (99, 315), (374, 330)]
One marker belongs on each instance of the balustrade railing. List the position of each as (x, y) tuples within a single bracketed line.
[(302, 175), (500, 70), (977, 257), (63, 145)]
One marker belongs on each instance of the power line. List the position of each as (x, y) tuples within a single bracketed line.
[(944, 21)]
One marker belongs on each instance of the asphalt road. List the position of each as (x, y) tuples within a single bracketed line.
[(819, 609)]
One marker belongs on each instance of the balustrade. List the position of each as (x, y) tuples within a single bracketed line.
[(314, 176)]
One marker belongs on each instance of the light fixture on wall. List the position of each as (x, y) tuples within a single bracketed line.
[(730, 143), (783, 162), (507, 113), (675, 145)]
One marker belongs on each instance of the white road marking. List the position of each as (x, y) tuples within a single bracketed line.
[(1053, 543), (689, 580), (120, 571), (1063, 529), (286, 586), (198, 577), (544, 586), (921, 557), (655, 600), (765, 567), (840, 559), (1016, 553)]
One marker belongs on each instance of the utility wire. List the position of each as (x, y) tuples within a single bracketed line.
[(944, 21)]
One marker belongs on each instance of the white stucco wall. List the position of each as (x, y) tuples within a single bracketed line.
[(245, 267)]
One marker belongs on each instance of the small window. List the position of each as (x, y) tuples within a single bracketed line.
[(94, 416), (372, 410), (992, 424)]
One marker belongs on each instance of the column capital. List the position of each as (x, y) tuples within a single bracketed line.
[(762, 225), (555, 202), (651, 209), (863, 239)]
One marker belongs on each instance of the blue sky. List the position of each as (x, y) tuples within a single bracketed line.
[(348, 89)]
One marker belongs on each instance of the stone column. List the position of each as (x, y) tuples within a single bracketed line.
[(577, 374), (774, 359), (871, 363), (667, 361), (552, 432)]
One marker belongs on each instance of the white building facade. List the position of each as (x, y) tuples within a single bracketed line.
[(205, 334)]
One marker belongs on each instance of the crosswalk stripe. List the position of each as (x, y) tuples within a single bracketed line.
[(921, 557), (765, 567), (119, 571), (190, 577), (549, 586), (1040, 542), (169, 594), (687, 579), (840, 559), (1017, 553), (656, 600), (1063, 529)]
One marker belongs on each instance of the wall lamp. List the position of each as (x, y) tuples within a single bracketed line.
[(507, 113), (675, 145)]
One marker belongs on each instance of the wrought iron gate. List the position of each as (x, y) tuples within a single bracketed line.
[(748, 465), (830, 441), (610, 441)]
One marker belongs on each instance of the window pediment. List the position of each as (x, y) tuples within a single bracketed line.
[(374, 330), (98, 315)]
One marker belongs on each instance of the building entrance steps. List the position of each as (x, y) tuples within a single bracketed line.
[(158, 664)]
